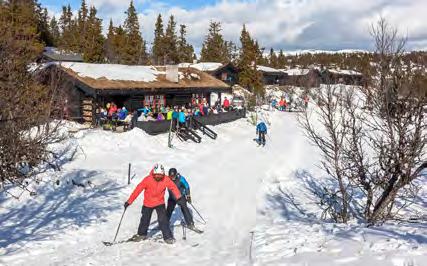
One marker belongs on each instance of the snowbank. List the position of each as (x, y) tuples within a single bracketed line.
[(257, 203)]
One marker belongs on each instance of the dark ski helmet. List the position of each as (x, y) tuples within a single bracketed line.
[(172, 172)]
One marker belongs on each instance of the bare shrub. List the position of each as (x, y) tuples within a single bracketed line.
[(372, 140)]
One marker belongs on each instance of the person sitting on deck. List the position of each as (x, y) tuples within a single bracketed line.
[(150, 117), (160, 117), (226, 104), (122, 113), (112, 110), (274, 103)]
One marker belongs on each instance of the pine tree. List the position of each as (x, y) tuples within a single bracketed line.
[(158, 50), (134, 51), (110, 49), (54, 31), (42, 20), (93, 44), (232, 52), (171, 42), (272, 59), (214, 48), (185, 50), (67, 25), (281, 60), (249, 77), (259, 53), (80, 32)]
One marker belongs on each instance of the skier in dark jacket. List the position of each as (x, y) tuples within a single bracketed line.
[(184, 188), (261, 131)]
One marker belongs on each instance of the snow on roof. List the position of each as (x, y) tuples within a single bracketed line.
[(266, 69), (345, 72), (206, 66), (296, 71), (113, 71), (56, 54), (184, 65)]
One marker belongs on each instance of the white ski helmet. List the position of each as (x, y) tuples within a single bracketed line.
[(158, 169)]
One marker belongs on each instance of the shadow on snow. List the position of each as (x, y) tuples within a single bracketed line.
[(56, 209), (287, 204)]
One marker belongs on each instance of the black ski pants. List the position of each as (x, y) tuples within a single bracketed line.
[(161, 218), (184, 209), (261, 137)]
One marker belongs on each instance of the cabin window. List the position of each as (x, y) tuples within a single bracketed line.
[(224, 76), (155, 100)]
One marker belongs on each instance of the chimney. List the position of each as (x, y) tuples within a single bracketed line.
[(172, 73)]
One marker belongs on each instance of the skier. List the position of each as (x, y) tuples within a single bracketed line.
[(154, 186), (184, 188), (261, 130)]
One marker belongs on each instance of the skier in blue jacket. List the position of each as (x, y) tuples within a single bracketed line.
[(184, 188), (261, 131)]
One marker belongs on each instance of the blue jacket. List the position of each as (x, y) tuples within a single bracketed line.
[(123, 114), (261, 127), (181, 117), (175, 115), (183, 186)]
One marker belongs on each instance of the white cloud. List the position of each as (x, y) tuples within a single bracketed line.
[(287, 24)]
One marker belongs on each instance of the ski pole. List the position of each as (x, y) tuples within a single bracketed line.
[(198, 213), (184, 236), (120, 223)]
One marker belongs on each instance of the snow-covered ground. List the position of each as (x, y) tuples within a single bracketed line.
[(256, 202)]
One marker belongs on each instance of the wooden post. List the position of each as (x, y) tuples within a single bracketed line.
[(129, 174)]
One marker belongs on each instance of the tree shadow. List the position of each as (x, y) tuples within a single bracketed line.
[(56, 209), (289, 207)]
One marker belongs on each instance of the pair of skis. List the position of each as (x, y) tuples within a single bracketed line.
[(259, 142), (158, 240)]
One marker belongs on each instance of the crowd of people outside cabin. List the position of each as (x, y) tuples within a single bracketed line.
[(111, 113), (290, 102), (180, 115)]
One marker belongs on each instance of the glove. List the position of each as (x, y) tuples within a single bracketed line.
[(181, 201), (188, 197), (126, 205)]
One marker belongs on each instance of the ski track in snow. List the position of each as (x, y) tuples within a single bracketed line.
[(238, 187)]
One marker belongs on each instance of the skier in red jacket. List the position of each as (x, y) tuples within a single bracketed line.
[(154, 186)]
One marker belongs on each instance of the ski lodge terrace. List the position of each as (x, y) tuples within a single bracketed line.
[(91, 86)]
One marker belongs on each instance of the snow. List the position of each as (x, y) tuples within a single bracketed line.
[(314, 51), (296, 71), (206, 66), (256, 201), (266, 69), (345, 72), (113, 71)]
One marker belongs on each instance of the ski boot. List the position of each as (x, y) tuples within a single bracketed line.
[(170, 241), (137, 238), (191, 227)]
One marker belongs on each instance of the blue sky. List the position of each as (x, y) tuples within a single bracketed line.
[(187, 4), (282, 24)]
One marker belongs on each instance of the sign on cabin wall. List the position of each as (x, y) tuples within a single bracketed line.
[(155, 100)]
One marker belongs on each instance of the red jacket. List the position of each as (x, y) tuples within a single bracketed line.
[(154, 191), (226, 103)]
